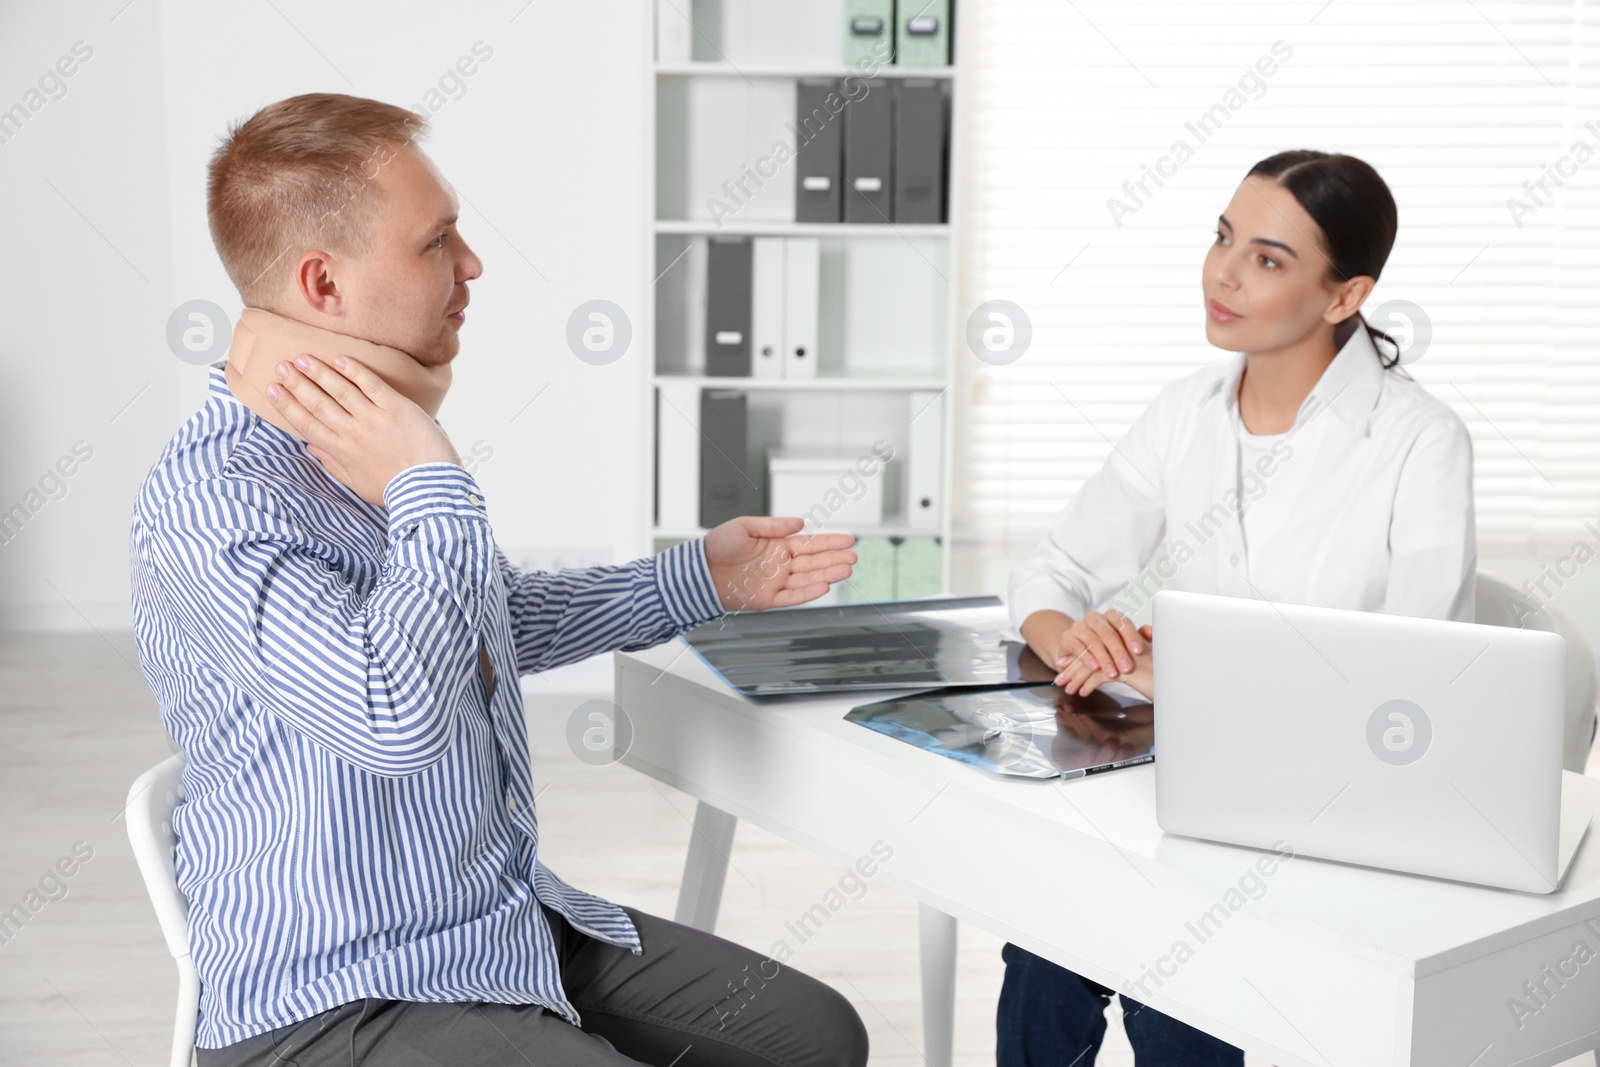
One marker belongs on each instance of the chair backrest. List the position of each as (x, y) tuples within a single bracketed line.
[(1499, 603), (151, 801)]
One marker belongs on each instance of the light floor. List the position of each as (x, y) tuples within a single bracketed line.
[(88, 981)]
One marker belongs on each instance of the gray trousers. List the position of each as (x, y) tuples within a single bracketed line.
[(691, 1000)]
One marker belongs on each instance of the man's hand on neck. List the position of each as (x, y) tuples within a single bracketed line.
[(357, 426)]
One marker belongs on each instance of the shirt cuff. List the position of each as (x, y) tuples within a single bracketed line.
[(429, 489), (683, 578)]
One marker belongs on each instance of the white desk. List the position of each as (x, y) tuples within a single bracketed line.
[(1328, 966)]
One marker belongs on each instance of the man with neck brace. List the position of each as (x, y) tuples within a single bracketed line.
[(335, 641)]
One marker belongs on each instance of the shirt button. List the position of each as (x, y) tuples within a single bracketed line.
[(475, 500), (511, 802), (1234, 559)]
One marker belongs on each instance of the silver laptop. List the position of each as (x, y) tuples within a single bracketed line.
[(1408, 744)]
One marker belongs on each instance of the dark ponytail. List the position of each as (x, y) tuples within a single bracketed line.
[(1355, 211)]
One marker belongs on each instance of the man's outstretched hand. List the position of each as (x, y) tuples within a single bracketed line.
[(760, 563)]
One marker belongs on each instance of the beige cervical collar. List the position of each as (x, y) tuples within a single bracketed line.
[(263, 339)]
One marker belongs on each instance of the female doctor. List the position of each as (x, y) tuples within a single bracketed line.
[(1307, 470)]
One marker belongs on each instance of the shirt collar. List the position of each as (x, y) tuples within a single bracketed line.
[(1349, 386)]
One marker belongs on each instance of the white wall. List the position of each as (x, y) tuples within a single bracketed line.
[(85, 288), (543, 144)]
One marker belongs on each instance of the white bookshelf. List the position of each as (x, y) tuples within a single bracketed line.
[(888, 324)]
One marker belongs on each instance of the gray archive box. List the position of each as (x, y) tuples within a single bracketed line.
[(818, 152), (868, 154), (725, 489), (919, 151), (728, 308)]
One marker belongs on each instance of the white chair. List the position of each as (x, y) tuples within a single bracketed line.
[(151, 801), (1498, 603)]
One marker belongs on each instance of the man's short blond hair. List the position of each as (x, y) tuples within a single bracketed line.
[(295, 176)]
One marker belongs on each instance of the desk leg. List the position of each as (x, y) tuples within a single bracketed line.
[(706, 868), (937, 932)]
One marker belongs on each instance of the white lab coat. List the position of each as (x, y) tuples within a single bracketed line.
[(1368, 499)]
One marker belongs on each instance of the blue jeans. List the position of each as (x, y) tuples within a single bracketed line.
[(1052, 1017)]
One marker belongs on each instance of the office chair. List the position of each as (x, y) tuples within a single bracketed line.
[(151, 801), (1497, 605)]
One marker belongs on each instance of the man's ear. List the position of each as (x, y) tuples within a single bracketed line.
[(314, 283)]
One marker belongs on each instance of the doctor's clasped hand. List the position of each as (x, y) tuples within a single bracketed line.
[(1090, 651)]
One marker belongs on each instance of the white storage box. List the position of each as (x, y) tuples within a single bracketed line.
[(826, 486)]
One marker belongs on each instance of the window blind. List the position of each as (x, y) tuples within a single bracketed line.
[(1484, 119)]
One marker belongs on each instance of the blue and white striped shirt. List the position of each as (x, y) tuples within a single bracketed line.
[(359, 816)]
